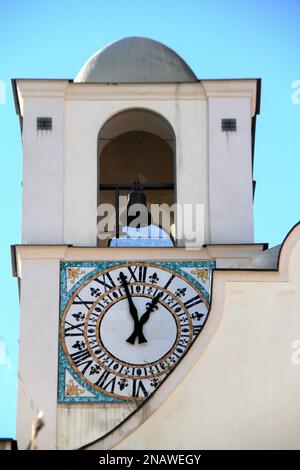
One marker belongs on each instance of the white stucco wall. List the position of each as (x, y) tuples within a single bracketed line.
[(59, 206), (243, 391), (237, 387), (184, 107), (38, 347), (67, 425), (213, 168), (230, 160), (43, 163)]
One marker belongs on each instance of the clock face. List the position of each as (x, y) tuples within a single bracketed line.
[(125, 327)]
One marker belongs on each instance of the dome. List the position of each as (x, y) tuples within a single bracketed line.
[(135, 59)]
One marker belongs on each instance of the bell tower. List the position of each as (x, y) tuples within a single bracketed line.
[(135, 126)]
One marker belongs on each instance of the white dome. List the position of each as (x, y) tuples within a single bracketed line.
[(135, 60)]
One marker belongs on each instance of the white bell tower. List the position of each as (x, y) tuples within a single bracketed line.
[(136, 111)]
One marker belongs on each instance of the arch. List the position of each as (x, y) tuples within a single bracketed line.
[(133, 119), (136, 145)]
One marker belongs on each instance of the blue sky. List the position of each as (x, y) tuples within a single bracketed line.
[(218, 39)]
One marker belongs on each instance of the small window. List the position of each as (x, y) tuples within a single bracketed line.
[(228, 125), (44, 124)]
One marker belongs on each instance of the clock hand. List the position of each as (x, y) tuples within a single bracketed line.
[(146, 315), (138, 329), (132, 309)]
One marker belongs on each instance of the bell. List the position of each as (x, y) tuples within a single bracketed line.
[(137, 212)]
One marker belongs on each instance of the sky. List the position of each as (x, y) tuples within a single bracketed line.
[(218, 39)]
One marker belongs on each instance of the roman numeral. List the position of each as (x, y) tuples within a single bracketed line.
[(196, 330), (74, 330), (86, 303), (141, 273), (148, 371), (107, 281), (107, 383), (138, 388), (192, 302), (82, 358), (169, 281)]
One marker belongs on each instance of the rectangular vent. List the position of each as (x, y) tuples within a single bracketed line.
[(228, 125), (44, 124)]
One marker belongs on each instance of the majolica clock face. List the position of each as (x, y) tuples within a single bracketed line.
[(125, 327)]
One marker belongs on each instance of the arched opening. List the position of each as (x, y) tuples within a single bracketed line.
[(136, 148)]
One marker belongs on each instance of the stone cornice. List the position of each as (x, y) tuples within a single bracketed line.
[(78, 253), (232, 89), (201, 90)]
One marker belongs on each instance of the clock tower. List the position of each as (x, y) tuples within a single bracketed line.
[(137, 184)]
